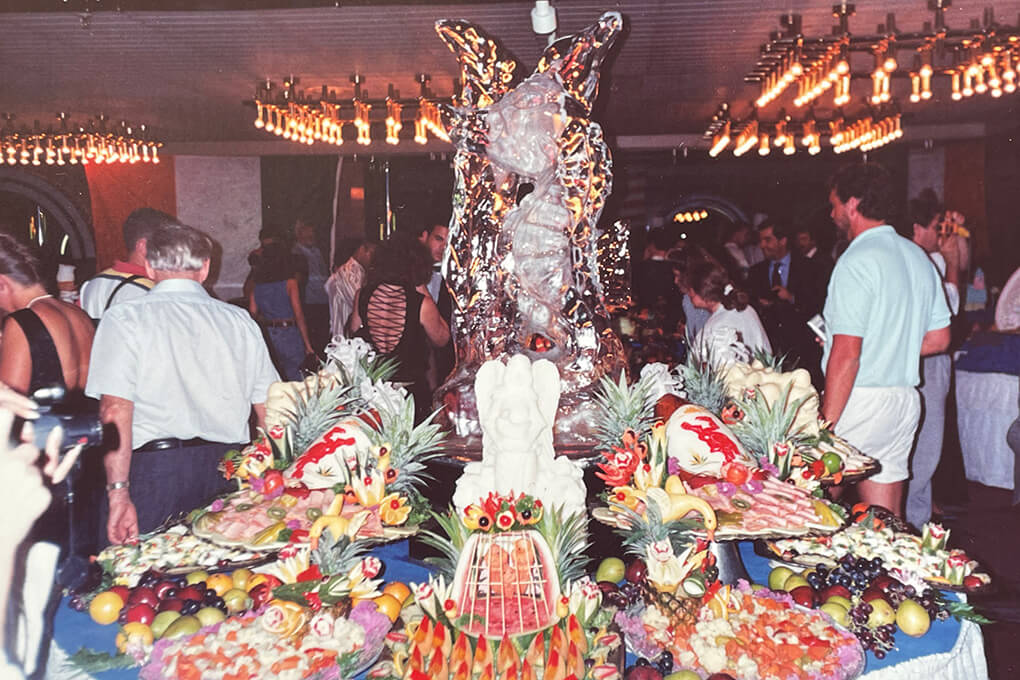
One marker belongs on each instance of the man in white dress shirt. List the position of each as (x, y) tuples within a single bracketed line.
[(343, 286), (178, 372)]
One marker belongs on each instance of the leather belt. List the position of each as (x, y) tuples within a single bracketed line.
[(280, 323), (168, 443)]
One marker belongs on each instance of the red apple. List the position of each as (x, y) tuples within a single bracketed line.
[(882, 582), (872, 593), (260, 594), (171, 603), (143, 595), (971, 582), (142, 613), (191, 593), (720, 676), (123, 591), (163, 587), (804, 596), (829, 591), (637, 571)]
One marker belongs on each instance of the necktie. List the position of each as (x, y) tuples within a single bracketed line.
[(777, 280)]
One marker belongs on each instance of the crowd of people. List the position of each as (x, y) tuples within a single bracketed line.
[(180, 377), (870, 322)]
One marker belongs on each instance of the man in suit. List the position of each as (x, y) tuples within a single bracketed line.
[(789, 289)]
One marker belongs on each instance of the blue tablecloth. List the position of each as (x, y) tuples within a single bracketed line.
[(74, 629)]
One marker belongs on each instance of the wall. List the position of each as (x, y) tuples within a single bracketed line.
[(223, 197)]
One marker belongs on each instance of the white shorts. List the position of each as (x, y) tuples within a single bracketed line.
[(882, 422)]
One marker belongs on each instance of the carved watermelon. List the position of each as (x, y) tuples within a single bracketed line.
[(507, 583), (326, 462), (701, 443)]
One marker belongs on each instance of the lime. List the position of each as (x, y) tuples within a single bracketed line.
[(832, 462)]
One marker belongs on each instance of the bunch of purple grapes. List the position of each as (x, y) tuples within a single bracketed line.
[(879, 640), (933, 603)]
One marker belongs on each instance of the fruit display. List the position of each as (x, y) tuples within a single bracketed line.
[(770, 414), (917, 561), (691, 466), (346, 432), (744, 633), (579, 645), (175, 550), (282, 641), (862, 595)]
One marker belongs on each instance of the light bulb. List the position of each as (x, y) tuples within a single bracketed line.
[(889, 65), (915, 87), (763, 145)]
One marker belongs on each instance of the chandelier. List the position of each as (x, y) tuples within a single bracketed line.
[(296, 116), (73, 144), (801, 70)]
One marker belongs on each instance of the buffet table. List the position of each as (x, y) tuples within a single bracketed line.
[(950, 651), (987, 382)]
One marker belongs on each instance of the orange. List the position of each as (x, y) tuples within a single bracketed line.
[(398, 590), (388, 605), (105, 607), (221, 583)]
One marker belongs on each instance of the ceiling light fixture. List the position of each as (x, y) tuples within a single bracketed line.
[(299, 117), (77, 144)]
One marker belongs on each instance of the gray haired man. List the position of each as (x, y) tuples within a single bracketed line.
[(178, 372)]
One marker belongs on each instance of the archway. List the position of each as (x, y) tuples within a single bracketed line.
[(64, 216)]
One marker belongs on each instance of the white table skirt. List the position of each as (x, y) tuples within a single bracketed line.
[(986, 405), (965, 661)]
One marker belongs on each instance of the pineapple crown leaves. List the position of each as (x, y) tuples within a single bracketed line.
[(770, 360), (339, 554), (317, 410), (622, 407), (411, 447), (567, 536), (644, 530), (702, 380), (763, 426), (450, 543)]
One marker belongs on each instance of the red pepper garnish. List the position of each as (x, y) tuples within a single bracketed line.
[(312, 573), (298, 491), (299, 536)]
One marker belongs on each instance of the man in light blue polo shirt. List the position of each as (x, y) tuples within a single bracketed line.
[(885, 310)]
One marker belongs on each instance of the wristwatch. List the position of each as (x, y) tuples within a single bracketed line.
[(113, 486)]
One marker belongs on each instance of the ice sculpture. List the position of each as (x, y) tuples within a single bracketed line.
[(516, 405), (532, 174)]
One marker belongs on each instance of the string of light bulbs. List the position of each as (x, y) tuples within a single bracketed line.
[(290, 115), (72, 145), (982, 59)]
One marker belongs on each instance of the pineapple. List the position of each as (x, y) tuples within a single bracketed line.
[(620, 408), (703, 383), (568, 540), (765, 430), (410, 447), (315, 412)]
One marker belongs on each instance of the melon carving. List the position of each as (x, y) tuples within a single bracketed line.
[(506, 583)]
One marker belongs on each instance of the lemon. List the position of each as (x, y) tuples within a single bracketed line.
[(105, 607)]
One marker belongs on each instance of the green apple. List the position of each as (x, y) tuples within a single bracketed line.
[(795, 581), (832, 462), (778, 576), (837, 612), (162, 621), (197, 576), (841, 601), (912, 618), (236, 600), (209, 615), (881, 613), (683, 675), (610, 569), (185, 625)]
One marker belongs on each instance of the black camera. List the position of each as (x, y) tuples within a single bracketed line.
[(79, 417)]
